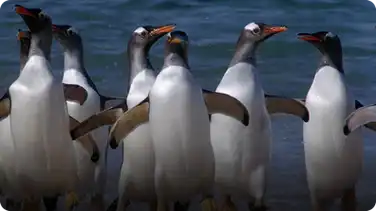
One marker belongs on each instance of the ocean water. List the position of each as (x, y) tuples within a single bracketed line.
[(286, 64)]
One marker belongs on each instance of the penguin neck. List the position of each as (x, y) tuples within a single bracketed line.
[(138, 58), (176, 55), (74, 59), (40, 44), (245, 52), (24, 51), (332, 59), (174, 59)]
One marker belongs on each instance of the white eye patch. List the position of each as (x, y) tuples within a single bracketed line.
[(73, 30), (41, 14), (252, 27), (169, 35), (330, 34), (140, 30)]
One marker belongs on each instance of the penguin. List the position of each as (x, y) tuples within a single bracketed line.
[(6, 141), (92, 175), (333, 161), (136, 182), (243, 153), (42, 130), (24, 38), (177, 110)]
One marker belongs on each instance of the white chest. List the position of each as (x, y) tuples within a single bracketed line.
[(36, 74), (242, 82), (140, 87)]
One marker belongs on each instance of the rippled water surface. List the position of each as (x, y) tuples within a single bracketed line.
[(286, 65)]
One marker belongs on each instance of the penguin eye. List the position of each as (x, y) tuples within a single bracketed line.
[(141, 31), (144, 33), (256, 30), (41, 15), (69, 32)]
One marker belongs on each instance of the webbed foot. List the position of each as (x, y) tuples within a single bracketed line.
[(208, 204), (71, 200)]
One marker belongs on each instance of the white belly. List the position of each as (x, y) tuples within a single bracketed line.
[(180, 129), (7, 158), (91, 176), (242, 154), (333, 161), (39, 122), (137, 172)]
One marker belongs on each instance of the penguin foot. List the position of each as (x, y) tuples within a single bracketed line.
[(228, 205), (208, 204), (71, 200)]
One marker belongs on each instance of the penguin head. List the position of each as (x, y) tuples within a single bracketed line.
[(68, 37), (146, 36), (258, 32), (177, 42), (325, 41), (24, 37), (35, 19), (177, 38)]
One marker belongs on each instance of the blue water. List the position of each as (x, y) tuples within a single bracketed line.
[(286, 65)]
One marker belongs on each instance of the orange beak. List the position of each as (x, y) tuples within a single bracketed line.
[(23, 11), (163, 29), (274, 29), (308, 37)]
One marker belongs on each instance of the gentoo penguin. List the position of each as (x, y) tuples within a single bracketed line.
[(333, 160), (6, 141), (92, 176), (136, 182), (177, 111), (40, 131), (242, 153), (24, 38)]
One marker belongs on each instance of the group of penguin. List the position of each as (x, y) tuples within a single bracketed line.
[(179, 140)]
